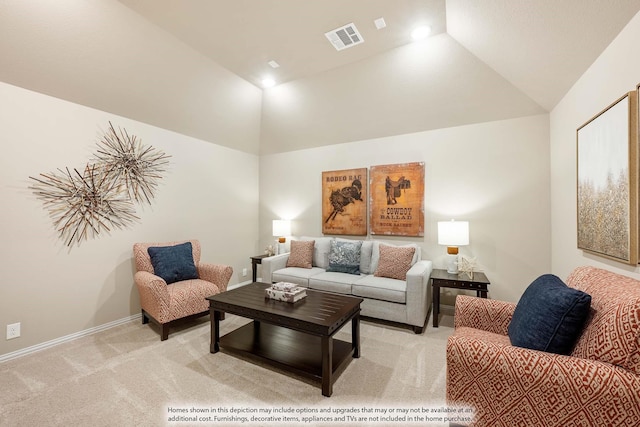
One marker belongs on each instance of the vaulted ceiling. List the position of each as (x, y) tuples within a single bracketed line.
[(184, 65), (540, 46)]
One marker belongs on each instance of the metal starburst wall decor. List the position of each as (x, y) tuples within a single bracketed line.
[(131, 164), (100, 199)]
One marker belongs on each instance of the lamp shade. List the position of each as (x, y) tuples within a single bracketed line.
[(453, 233), (281, 227)]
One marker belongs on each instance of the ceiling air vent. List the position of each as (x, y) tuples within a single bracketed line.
[(344, 37)]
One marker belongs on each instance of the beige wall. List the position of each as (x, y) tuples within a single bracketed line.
[(495, 175), (614, 73), (210, 192)]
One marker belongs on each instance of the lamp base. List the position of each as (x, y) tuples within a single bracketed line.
[(452, 264)]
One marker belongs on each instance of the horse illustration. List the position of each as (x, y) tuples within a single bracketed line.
[(340, 199)]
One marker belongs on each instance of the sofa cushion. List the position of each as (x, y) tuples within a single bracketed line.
[(381, 288), (333, 282), (344, 256), (297, 275), (301, 254), (375, 254), (173, 263), (550, 316), (366, 251), (612, 332), (321, 249), (394, 262)]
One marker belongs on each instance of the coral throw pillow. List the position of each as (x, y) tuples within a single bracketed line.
[(301, 253), (394, 261)]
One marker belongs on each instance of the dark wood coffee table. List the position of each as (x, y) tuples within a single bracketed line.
[(296, 337)]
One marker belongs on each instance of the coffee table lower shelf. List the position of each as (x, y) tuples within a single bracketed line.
[(287, 349)]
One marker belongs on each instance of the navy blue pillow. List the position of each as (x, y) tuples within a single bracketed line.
[(549, 316), (173, 263)]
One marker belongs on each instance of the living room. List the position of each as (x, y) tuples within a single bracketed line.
[(508, 167)]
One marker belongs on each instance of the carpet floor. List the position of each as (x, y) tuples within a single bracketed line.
[(125, 376)]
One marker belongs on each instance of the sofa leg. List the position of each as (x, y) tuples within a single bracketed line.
[(418, 330)]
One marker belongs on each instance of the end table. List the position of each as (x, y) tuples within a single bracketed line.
[(442, 279), (255, 260)]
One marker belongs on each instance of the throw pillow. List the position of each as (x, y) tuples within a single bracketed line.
[(394, 261), (549, 316), (173, 263), (344, 257), (301, 254)]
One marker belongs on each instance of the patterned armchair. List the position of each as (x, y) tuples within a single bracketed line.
[(164, 304), (598, 384)]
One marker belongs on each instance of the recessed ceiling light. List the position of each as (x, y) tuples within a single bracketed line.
[(379, 23), (421, 32), (273, 64), (268, 82)]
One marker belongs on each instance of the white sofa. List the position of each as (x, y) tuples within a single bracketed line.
[(404, 301)]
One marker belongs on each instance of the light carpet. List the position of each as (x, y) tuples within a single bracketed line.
[(125, 376)]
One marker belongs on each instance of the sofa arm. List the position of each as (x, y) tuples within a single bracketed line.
[(154, 296), (419, 292), (482, 313), (508, 385), (271, 264), (217, 274)]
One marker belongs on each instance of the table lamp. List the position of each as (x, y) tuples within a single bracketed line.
[(281, 229), (453, 234)]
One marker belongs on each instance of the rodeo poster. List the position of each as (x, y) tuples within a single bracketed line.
[(344, 202), (397, 199)]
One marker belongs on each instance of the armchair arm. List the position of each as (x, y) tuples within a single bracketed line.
[(418, 292), (509, 385), (271, 264), (154, 296), (217, 274), (482, 313)]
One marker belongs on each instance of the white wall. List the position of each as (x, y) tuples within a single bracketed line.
[(210, 192), (495, 175), (614, 73)]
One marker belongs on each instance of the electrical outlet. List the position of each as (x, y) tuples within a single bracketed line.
[(244, 272), (13, 331)]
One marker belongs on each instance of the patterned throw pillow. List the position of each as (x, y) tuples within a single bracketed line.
[(301, 253), (344, 257), (394, 261)]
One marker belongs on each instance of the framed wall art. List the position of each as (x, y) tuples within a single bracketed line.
[(397, 199), (344, 202), (607, 182)]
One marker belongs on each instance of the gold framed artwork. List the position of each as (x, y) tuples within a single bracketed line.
[(397, 199), (344, 205), (607, 181)]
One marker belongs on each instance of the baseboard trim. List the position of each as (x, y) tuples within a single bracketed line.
[(67, 338)]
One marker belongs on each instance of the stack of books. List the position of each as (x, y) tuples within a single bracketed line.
[(284, 291)]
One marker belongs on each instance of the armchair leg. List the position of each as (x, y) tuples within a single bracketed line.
[(164, 331), (145, 319)]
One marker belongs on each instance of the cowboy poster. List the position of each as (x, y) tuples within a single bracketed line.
[(344, 202), (397, 199)]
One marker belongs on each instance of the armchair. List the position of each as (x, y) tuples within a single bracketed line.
[(164, 304), (598, 384)]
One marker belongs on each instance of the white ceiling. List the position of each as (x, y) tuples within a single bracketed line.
[(540, 46), (184, 65)]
